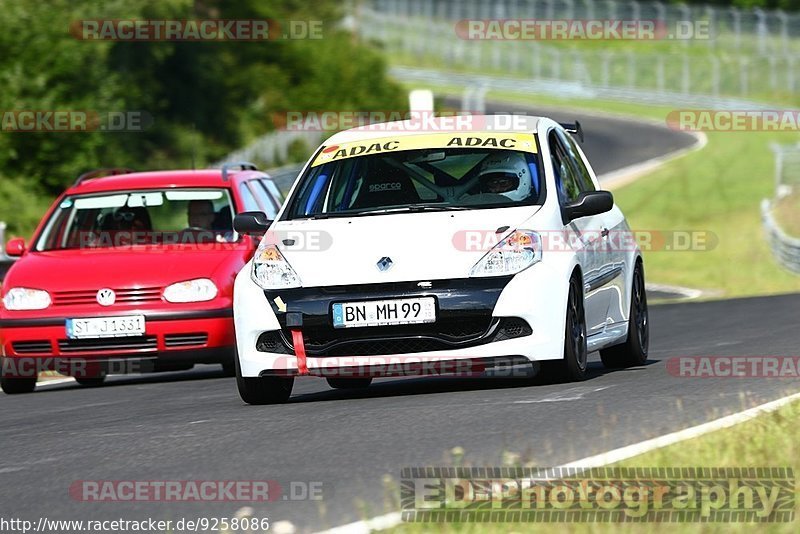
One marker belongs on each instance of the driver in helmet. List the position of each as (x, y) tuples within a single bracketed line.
[(506, 174)]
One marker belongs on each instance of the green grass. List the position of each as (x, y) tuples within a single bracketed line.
[(769, 440)]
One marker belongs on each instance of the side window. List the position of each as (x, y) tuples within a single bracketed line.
[(567, 181), (264, 198), (584, 177), (273, 191), (248, 199)]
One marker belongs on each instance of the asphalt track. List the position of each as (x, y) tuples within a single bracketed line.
[(192, 425)]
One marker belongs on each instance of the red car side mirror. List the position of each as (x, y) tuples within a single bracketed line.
[(16, 247)]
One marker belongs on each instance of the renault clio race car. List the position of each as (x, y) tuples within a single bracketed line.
[(438, 252)]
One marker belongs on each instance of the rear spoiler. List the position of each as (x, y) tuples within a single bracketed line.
[(574, 128)]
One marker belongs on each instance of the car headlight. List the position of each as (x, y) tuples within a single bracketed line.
[(199, 290), (22, 298), (518, 251), (271, 270)]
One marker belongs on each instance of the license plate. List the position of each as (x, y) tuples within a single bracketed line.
[(99, 327), (384, 312)]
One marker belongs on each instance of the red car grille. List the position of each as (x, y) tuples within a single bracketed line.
[(124, 296)]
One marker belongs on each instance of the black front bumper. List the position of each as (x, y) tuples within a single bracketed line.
[(464, 317)]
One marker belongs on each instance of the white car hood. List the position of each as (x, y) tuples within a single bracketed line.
[(422, 246)]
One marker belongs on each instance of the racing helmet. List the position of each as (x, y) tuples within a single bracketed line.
[(507, 174)]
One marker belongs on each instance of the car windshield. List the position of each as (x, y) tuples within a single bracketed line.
[(429, 179), (145, 217)]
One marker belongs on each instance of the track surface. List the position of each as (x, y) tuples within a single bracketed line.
[(192, 425)]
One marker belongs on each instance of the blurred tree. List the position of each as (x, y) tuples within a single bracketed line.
[(206, 98)]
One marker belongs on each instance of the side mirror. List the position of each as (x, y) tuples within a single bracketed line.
[(251, 222), (16, 247), (589, 203)]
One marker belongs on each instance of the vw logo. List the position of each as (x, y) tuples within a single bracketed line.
[(385, 263), (106, 297)]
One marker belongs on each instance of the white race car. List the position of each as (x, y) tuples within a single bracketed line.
[(446, 251)]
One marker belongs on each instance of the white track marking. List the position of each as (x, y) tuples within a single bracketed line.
[(391, 520)]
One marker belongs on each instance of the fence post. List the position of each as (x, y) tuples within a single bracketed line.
[(737, 25)]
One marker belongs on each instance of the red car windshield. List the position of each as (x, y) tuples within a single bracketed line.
[(146, 217)]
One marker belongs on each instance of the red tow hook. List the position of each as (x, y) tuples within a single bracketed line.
[(300, 352), (294, 320)]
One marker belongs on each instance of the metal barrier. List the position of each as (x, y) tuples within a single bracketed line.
[(785, 248), (752, 54)]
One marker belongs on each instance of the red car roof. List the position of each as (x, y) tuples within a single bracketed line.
[(160, 179)]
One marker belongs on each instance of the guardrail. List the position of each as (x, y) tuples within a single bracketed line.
[(785, 248)]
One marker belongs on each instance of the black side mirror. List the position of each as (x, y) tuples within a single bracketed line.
[(251, 222), (589, 203)]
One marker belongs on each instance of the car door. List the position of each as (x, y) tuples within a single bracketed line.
[(617, 241), (585, 232)]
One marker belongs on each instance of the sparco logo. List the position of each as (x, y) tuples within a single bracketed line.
[(394, 186)]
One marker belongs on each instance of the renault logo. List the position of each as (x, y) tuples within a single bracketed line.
[(385, 263), (106, 297)]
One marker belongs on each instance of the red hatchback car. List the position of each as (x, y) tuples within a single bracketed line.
[(130, 272)]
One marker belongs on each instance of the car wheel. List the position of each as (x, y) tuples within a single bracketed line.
[(229, 369), (91, 381), (633, 351), (15, 385), (350, 383), (572, 367), (262, 390)]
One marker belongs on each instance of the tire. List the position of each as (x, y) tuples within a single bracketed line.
[(263, 390), (91, 381), (15, 385), (229, 369), (633, 351), (350, 383), (572, 367)]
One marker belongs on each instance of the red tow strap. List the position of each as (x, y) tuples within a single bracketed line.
[(300, 352)]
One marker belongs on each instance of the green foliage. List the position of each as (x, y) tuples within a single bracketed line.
[(205, 98)]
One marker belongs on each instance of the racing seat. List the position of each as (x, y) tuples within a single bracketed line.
[(386, 186)]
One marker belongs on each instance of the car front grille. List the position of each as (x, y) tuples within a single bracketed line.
[(464, 335), (185, 340), (32, 347), (108, 344), (123, 296)]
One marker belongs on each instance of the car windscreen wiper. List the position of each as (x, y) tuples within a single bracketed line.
[(422, 207)]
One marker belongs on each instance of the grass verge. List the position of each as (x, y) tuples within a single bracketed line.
[(770, 440)]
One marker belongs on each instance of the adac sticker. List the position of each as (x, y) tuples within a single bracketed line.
[(501, 141)]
